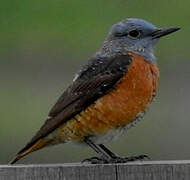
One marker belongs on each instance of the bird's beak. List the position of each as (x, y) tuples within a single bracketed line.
[(163, 32)]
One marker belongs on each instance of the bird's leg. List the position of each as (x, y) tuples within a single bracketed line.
[(107, 156), (104, 157), (116, 159), (109, 152)]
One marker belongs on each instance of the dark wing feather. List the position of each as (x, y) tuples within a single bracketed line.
[(95, 79)]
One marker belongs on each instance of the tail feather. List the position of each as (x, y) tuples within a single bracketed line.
[(38, 145)]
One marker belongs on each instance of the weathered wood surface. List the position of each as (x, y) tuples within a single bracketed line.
[(152, 170)]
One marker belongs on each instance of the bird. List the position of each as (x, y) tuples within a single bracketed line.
[(108, 95)]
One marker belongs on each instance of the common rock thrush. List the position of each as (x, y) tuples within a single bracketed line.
[(108, 95)]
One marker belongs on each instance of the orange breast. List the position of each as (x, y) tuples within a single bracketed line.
[(120, 106)]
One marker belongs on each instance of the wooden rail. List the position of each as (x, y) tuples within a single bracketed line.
[(150, 170)]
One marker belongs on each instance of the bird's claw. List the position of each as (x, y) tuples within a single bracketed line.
[(97, 160), (129, 159)]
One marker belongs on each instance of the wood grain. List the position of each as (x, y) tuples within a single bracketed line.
[(152, 170)]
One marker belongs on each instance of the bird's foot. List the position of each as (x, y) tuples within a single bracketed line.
[(129, 159), (97, 160)]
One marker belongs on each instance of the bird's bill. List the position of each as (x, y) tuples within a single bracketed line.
[(164, 31)]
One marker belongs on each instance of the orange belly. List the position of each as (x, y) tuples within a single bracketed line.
[(119, 107)]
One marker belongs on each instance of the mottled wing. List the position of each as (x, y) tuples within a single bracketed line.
[(95, 80)]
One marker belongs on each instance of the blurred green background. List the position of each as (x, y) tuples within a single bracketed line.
[(43, 44)]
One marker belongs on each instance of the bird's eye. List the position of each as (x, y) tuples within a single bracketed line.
[(134, 33)]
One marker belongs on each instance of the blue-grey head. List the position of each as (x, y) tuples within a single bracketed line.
[(137, 36)]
